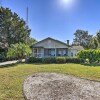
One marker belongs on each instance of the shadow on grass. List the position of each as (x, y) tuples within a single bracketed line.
[(91, 65), (8, 65), (40, 63)]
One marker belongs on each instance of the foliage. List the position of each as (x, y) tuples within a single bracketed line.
[(60, 60), (12, 28), (87, 41), (74, 60), (19, 51), (92, 55), (34, 60), (51, 60), (31, 41), (82, 38), (2, 57), (3, 52), (48, 60), (98, 38), (94, 43)]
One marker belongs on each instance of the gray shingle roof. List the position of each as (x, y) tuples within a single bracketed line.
[(47, 39), (77, 48)]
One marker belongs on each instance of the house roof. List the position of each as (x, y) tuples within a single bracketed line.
[(33, 45), (77, 48)]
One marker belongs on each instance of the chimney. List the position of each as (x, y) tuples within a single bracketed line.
[(67, 42)]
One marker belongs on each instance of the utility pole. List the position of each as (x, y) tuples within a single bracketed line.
[(27, 16), (26, 40)]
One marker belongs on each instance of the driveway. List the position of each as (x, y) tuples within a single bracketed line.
[(11, 62)]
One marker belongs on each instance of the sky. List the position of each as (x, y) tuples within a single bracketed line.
[(58, 19)]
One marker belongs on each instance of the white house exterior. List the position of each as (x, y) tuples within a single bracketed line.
[(50, 47)]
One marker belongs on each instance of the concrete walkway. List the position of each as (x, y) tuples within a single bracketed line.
[(11, 62)]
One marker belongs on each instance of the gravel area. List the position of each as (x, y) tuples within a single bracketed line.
[(53, 86)]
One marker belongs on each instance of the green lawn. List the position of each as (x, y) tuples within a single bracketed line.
[(12, 77)]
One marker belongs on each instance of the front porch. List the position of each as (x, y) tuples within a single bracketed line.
[(49, 52)]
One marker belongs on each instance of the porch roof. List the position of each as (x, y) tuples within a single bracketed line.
[(36, 46)]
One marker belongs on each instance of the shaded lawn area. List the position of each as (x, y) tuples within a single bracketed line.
[(12, 77)]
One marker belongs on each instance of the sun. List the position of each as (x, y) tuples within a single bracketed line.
[(67, 3)]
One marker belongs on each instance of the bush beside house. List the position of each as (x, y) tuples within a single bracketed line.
[(19, 51), (90, 56), (58, 60)]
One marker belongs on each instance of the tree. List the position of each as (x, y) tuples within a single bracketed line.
[(82, 38), (98, 38), (31, 41), (94, 43), (19, 51), (12, 28)]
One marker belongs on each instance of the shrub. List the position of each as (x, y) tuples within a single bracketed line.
[(34, 60), (60, 60), (18, 51), (92, 55), (2, 57), (49, 60), (74, 60)]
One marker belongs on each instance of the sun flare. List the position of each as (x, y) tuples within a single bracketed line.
[(67, 3)]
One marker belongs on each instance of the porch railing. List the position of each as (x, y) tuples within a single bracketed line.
[(39, 55)]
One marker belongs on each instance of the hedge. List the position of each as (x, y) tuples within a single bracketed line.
[(48, 60), (60, 60), (51, 60), (34, 60), (74, 60), (90, 55)]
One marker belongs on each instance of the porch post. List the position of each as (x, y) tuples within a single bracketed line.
[(43, 52), (55, 52), (37, 52), (33, 52)]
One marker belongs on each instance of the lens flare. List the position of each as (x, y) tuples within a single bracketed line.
[(67, 3)]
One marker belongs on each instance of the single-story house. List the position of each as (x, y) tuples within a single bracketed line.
[(50, 47)]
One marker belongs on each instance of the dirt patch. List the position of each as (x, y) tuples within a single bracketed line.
[(53, 86)]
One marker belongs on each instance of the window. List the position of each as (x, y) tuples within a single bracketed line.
[(51, 52), (64, 52), (71, 54)]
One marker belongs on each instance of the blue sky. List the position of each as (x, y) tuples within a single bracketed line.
[(47, 18)]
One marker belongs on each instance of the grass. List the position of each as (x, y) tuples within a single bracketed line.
[(12, 77)]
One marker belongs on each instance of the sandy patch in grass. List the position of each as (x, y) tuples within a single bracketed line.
[(53, 86)]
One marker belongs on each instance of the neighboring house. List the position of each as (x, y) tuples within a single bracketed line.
[(50, 47), (73, 50)]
